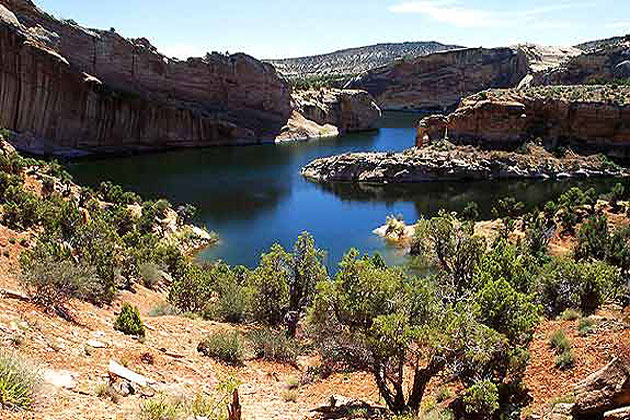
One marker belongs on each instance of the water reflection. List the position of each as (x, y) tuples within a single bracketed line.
[(254, 196)]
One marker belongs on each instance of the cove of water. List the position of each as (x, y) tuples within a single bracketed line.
[(254, 196)]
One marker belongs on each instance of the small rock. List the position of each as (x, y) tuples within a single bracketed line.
[(96, 344), (60, 378)]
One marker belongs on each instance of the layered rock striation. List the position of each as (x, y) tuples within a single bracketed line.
[(601, 61), (74, 87), (438, 81), (348, 110), (591, 118)]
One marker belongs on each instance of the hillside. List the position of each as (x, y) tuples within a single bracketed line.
[(353, 61)]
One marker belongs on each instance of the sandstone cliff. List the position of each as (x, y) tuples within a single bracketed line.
[(438, 81), (602, 61), (348, 110), (95, 90), (586, 117)]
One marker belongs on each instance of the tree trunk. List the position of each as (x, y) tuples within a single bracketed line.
[(420, 381), (234, 409)]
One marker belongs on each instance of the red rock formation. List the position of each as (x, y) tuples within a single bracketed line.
[(439, 80), (96, 90), (592, 117), (607, 62), (348, 110)]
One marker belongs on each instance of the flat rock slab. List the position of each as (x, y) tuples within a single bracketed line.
[(121, 371), (60, 378)]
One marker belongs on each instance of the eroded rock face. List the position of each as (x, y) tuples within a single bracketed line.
[(348, 110), (604, 390), (605, 62), (591, 117), (439, 80), (75, 87)]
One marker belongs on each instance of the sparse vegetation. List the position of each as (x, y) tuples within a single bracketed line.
[(19, 382), (227, 346), (585, 326), (273, 345)]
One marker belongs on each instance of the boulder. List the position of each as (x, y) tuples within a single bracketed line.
[(299, 128), (604, 390)]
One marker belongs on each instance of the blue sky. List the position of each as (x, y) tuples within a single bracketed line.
[(288, 28)]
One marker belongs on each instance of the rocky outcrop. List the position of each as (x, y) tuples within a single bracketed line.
[(298, 128), (586, 117), (444, 161), (605, 390), (348, 110), (329, 113), (75, 87), (602, 61)]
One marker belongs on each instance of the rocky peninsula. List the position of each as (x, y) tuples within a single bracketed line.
[(445, 161)]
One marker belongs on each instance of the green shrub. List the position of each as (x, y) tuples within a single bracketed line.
[(225, 346), (565, 360), (481, 398), (570, 315), (192, 290), (129, 322), (52, 283), (161, 408), (444, 393), (234, 296), (565, 284), (616, 194), (162, 309), (290, 395), (559, 341), (585, 326), (151, 274), (19, 382), (273, 345)]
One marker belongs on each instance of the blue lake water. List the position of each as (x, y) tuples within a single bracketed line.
[(254, 196)]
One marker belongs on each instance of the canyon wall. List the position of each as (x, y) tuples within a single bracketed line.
[(73, 87), (603, 62), (440, 80), (585, 117)]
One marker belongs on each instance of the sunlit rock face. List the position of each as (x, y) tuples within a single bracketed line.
[(75, 87)]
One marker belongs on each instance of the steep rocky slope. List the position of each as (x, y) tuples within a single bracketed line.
[(438, 81), (586, 117), (97, 90), (602, 61), (353, 61)]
